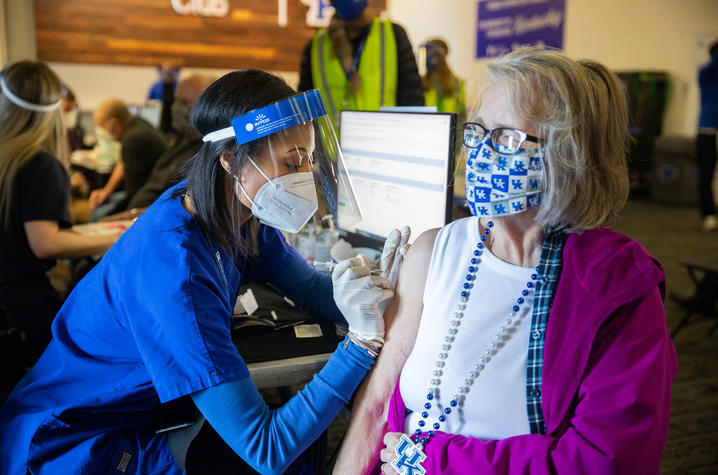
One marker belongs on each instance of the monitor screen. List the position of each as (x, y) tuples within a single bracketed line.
[(152, 113), (401, 166)]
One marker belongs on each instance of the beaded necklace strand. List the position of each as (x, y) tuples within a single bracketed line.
[(501, 336)]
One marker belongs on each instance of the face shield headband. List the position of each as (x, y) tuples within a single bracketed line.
[(22, 103), (281, 115), (299, 123)]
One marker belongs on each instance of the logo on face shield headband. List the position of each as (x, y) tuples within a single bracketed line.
[(249, 127), (260, 119)]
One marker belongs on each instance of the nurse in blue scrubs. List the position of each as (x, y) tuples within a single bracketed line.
[(150, 324)]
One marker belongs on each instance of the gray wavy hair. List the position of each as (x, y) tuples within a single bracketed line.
[(580, 109)]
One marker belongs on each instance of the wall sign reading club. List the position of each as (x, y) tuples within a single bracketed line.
[(201, 7), (318, 14)]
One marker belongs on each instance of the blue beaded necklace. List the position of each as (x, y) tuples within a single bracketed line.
[(417, 455)]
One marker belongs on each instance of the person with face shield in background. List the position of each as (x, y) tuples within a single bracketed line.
[(442, 88), (360, 62), (35, 215), (151, 323)]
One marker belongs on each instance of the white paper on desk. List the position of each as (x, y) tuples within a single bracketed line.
[(308, 331), (103, 228), (248, 301)]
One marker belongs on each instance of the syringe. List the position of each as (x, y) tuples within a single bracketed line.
[(328, 266)]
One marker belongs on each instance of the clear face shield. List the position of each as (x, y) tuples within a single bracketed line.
[(297, 169)]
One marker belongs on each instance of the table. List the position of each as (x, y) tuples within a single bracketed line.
[(277, 358), (300, 358), (103, 228), (286, 372)]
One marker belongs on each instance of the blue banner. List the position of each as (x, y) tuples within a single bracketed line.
[(504, 25), (279, 116)]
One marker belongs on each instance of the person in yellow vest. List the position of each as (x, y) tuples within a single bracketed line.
[(442, 88), (360, 62)]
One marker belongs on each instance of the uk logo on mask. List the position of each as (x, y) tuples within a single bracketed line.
[(499, 184)]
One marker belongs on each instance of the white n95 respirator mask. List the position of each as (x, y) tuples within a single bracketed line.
[(286, 202)]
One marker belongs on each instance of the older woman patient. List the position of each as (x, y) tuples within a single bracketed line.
[(528, 338)]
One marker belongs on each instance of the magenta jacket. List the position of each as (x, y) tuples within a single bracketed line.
[(609, 363)]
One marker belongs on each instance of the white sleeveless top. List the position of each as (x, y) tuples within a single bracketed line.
[(495, 406)]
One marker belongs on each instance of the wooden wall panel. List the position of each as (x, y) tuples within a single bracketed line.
[(149, 32)]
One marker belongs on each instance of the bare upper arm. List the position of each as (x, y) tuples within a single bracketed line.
[(359, 452), (402, 317), (403, 313)]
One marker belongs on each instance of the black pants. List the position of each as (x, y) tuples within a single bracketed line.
[(29, 307), (706, 155)]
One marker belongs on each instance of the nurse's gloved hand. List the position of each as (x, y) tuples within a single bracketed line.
[(395, 247), (359, 295)]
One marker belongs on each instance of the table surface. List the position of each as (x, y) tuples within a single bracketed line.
[(286, 372), (277, 358), (102, 228)]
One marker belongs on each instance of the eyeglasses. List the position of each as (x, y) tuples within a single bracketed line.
[(506, 140)]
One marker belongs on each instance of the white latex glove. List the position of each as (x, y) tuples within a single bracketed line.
[(358, 294), (395, 247)]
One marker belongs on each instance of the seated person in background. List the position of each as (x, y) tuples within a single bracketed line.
[(80, 184), (165, 173), (75, 134), (142, 145), (34, 199), (166, 170), (527, 338), (344, 61)]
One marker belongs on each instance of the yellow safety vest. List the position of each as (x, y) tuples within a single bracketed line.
[(377, 70), (449, 103)]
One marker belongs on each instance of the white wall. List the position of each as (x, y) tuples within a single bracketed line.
[(623, 34), (92, 83), (3, 34), (17, 30)]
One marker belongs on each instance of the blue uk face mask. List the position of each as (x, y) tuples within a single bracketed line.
[(500, 184)]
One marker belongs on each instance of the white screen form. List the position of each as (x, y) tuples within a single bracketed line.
[(400, 164)]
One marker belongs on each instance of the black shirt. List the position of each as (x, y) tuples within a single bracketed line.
[(142, 145), (41, 192), (165, 172), (409, 90)]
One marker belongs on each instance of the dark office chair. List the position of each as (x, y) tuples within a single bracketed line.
[(705, 298), (11, 370)]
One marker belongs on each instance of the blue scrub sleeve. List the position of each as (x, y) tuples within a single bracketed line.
[(280, 265), (312, 291), (270, 440)]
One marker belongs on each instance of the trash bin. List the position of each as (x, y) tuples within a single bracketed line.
[(647, 95), (675, 175)]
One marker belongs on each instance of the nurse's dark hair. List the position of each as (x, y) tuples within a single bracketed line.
[(209, 185)]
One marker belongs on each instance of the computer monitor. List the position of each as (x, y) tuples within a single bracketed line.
[(401, 166), (151, 111)]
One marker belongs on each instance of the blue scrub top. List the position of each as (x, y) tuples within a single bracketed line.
[(149, 324)]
